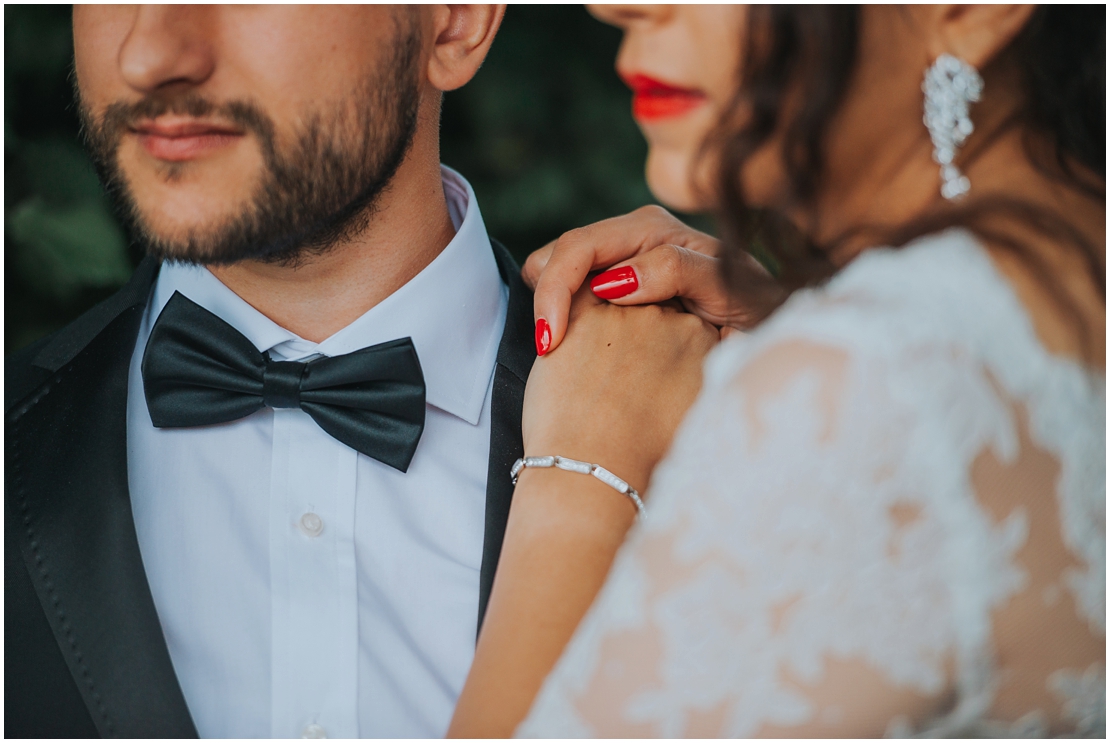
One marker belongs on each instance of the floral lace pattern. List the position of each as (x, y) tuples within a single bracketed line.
[(837, 542)]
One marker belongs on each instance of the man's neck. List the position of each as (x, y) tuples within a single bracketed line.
[(326, 293)]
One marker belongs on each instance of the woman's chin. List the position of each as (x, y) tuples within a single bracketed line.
[(669, 178)]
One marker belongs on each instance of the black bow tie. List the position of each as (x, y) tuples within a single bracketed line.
[(198, 370)]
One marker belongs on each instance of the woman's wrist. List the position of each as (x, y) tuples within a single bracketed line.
[(553, 504), (596, 471), (630, 466)]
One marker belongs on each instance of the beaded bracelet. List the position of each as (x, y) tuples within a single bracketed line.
[(583, 468)]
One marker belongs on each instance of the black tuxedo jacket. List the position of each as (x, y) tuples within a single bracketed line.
[(84, 651)]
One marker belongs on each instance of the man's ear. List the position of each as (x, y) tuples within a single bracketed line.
[(976, 33), (463, 35)]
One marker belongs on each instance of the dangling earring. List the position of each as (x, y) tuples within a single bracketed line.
[(950, 85)]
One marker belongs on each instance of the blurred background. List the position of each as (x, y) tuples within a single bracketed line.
[(543, 133)]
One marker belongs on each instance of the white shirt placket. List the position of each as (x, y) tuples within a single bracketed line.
[(314, 592)]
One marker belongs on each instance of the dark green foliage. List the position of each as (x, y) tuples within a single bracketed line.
[(543, 133), (63, 249)]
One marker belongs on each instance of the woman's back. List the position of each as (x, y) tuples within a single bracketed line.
[(884, 514)]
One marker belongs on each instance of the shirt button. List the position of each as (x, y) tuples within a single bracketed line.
[(313, 526), (314, 730)]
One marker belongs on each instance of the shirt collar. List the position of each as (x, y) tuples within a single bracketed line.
[(454, 311)]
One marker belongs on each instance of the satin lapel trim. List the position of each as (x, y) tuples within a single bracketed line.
[(67, 485), (515, 356)]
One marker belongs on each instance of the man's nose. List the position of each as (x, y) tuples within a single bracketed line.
[(167, 46)]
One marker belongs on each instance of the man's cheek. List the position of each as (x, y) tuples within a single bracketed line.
[(98, 35)]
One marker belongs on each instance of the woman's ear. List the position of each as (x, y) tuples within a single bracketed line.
[(976, 33), (463, 35)]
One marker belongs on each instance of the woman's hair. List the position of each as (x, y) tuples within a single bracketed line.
[(810, 53)]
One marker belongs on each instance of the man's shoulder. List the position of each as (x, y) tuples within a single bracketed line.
[(21, 376), (28, 368), (506, 264), (517, 351)]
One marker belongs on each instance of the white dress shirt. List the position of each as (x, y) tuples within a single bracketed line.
[(305, 589)]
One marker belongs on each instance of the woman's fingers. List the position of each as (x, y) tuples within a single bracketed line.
[(662, 273), (561, 268), (669, 271), (535, 264)]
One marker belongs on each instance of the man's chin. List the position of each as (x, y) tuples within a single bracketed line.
[(197, 244), (190, 227)]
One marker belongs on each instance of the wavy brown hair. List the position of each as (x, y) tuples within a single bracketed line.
[(811, 52)]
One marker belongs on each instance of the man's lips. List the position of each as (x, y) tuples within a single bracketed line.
[(175, 139), (654, 99)]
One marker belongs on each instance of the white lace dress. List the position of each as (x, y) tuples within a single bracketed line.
[(884, 515)]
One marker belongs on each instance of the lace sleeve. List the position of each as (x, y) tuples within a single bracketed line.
[(813, 561)]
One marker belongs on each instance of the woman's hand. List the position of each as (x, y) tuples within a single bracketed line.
[(618, 386), (613, 394), (667, 259)]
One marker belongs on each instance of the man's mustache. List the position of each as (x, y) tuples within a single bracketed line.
[(120, 117)]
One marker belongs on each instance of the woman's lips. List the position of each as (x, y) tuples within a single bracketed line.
[(178, 140), (653, 99)]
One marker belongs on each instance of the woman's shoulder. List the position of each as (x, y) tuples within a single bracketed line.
[(940, 294), (922, 357), (854, 434), (926, 344)]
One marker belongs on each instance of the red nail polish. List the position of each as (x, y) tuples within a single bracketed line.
[(543, 336), (615, 283)]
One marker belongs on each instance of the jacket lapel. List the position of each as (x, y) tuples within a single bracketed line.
[(515, 356), (66, 459)]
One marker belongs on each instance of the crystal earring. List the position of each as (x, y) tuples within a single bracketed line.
[(950, 85)]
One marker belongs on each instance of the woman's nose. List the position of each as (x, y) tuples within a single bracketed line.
[(166, 46)]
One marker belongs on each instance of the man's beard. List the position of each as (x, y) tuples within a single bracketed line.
[(314, 194)]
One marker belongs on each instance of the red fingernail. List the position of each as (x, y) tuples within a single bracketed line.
[(543, 336), (615, 283)]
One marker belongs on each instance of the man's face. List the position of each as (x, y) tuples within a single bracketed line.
[(236, 132)]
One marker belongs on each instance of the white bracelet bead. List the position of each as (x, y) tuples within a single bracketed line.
[(582, 468)]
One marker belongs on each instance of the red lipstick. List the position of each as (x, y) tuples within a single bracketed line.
[(177, 139), (653, 99)]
